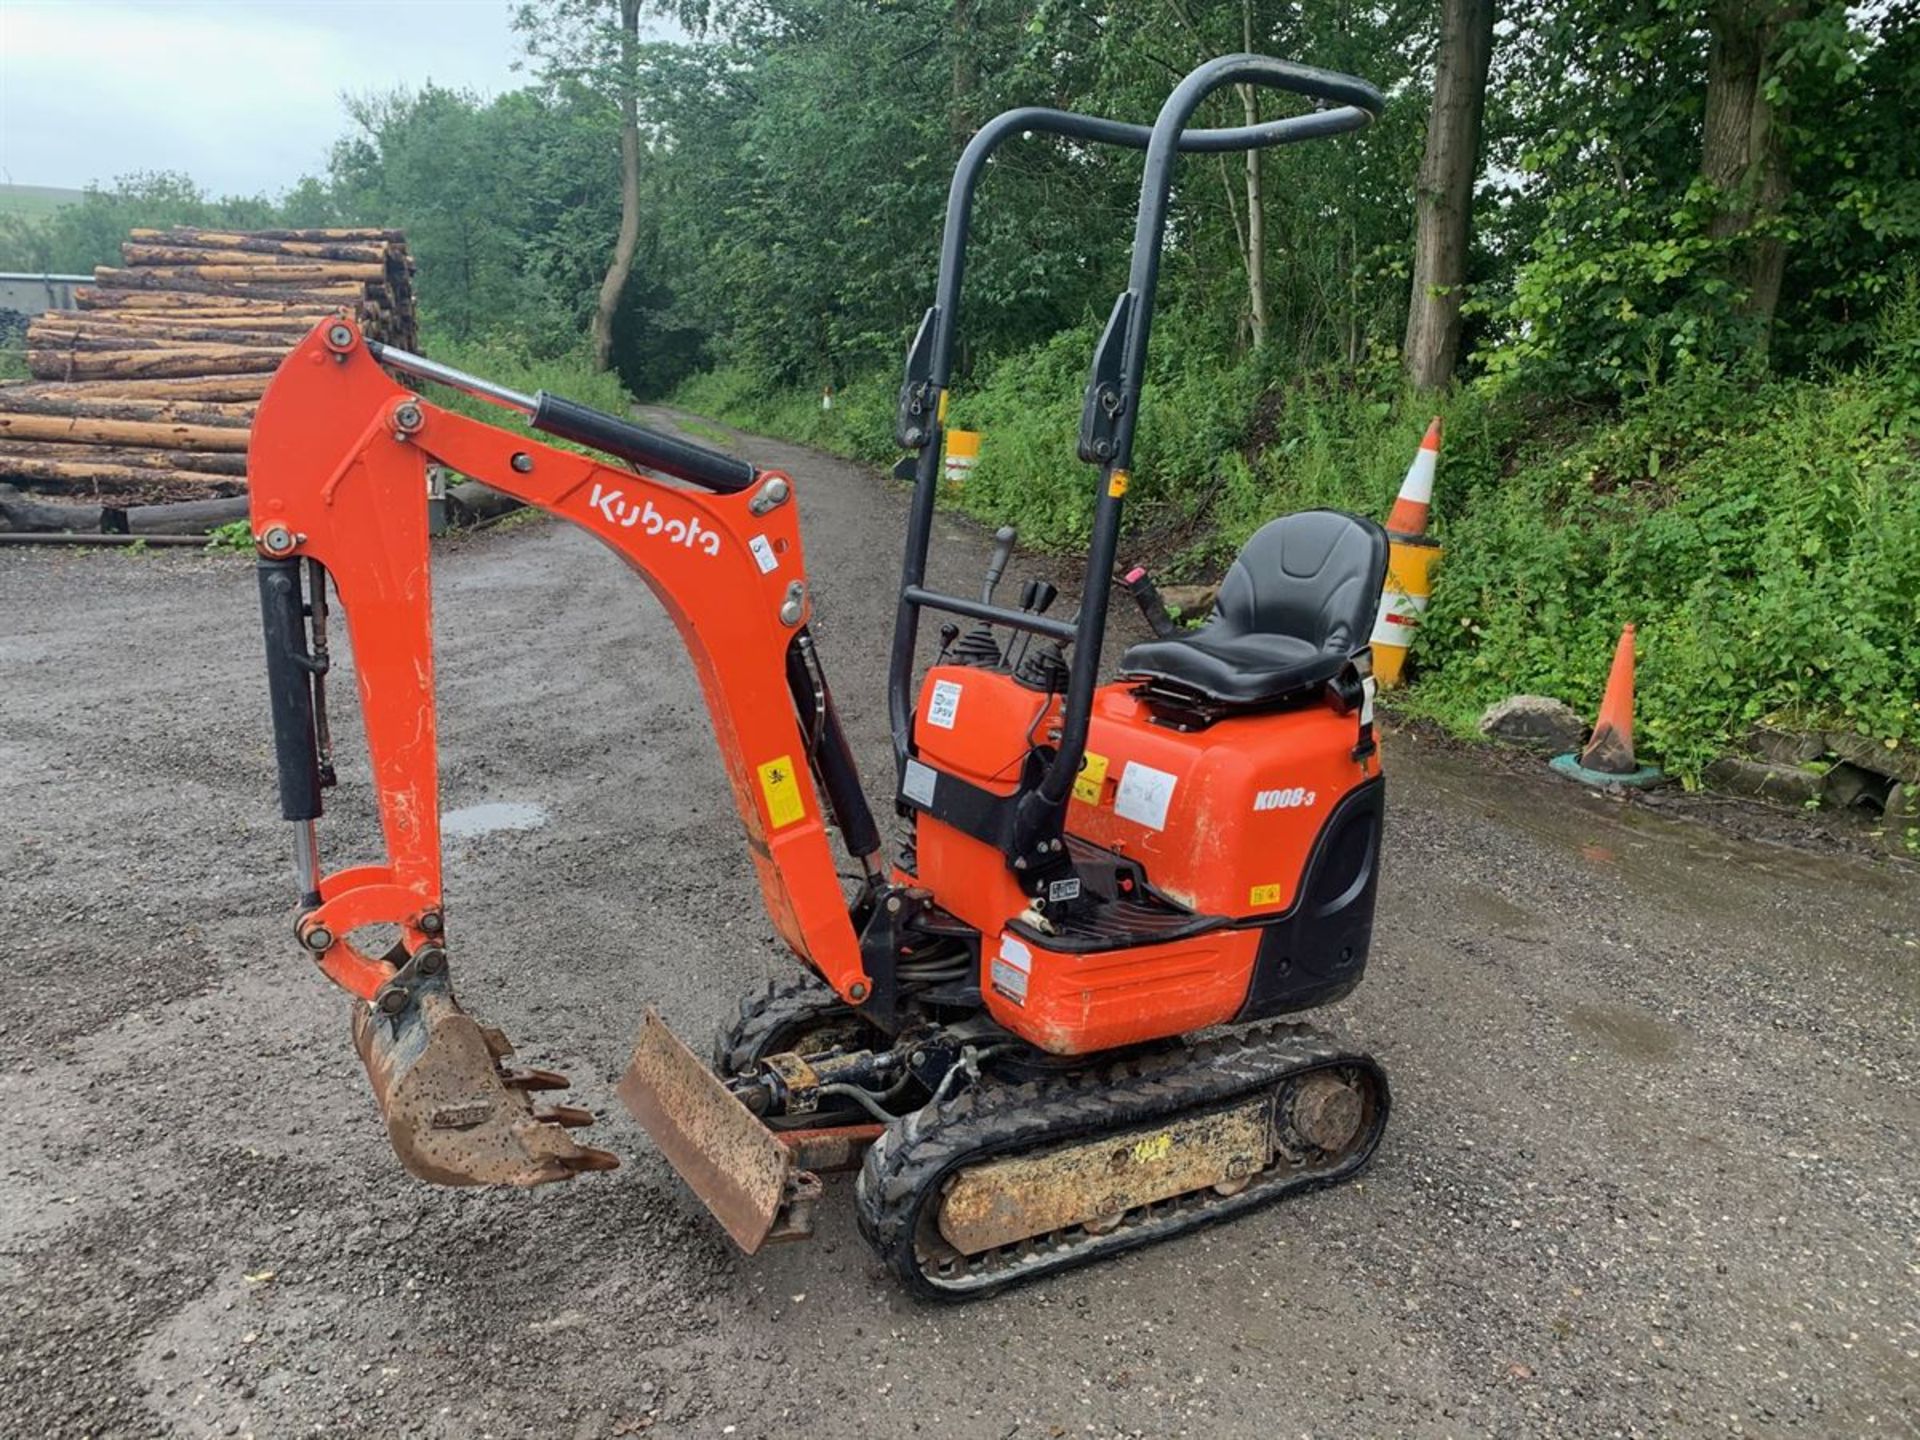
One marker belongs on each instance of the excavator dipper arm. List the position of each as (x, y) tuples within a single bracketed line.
[(337, 473)]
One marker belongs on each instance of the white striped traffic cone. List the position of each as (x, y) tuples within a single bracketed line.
[(1411, 557)]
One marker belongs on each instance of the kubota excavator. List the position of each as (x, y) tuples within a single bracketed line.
[(1000, 1025)]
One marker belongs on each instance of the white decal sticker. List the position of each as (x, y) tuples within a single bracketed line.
[(1367, 687), (918, 782), (1058, 890), (1144, 795), (1011, 968), (944, 708), (618, 510), (763, 555), (1292, 799)]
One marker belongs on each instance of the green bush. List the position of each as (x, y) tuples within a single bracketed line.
[(1764, 539), (1765, 542), (859, 426), (514, 366)]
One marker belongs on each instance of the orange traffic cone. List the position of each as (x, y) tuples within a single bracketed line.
[(1409, 518), (1608, 759), (1411, 556)]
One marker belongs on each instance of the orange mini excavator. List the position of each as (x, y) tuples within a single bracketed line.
[(998, 1025)]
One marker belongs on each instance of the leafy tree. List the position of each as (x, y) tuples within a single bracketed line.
[(596, 44), (1445, 191)]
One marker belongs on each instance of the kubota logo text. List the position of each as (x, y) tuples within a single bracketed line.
[(622, 512), (1283, 799)]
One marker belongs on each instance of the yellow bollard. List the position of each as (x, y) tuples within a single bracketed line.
[(963, 450), (1403, 602)]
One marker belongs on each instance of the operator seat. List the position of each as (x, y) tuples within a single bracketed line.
[(1297, 606)]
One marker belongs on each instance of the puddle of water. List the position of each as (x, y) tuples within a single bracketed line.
[(1629, 1033), (1500, 914), (474, 820)]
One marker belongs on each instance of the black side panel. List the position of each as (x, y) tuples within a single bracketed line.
[(1317, 951), (290, 688)]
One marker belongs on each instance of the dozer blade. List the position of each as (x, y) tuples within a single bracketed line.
[(455, 1115), (737, 1166)]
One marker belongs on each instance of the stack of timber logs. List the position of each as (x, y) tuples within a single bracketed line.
[(146, 392)]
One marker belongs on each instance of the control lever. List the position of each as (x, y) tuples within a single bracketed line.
[(1035, 597), (1003, 539), (1139, 584)]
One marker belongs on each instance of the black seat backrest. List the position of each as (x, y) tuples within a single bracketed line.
[(1315, 575)]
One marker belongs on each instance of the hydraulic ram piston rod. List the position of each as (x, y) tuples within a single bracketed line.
[(556, 415), (446, 375)]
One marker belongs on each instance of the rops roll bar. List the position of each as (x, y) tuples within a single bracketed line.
[(1112, 403), (1113, 389)]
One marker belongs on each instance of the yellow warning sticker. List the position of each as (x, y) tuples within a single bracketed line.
[(782, 788), (1117, 483), (1264, 895), (1154, 1147), (1093, 775)]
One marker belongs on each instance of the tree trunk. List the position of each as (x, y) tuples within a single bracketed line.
[(84, 430), (291, 273), (212, 387), (187, 517), (1256, 204), (1740, 150), (239, 415), (194, 361), (253, 243), (628, 240), (304, 293), (964, 74), (46, 334), (348, 236), (167, 302), (80, 476), (153, 252), (21, 514), (85, 323), (29, 453), (1443, 201)]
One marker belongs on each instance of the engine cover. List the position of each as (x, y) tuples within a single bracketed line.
[(1267, 822)]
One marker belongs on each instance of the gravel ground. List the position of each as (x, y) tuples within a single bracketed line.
[(1652, 1168)]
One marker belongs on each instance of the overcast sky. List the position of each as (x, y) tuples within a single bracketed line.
[(243, 95)]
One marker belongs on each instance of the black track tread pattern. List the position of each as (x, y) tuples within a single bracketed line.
[(906, 1166), (766, 1019)]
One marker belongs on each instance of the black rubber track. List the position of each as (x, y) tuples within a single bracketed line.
[(785, 1013), (906, 1167)]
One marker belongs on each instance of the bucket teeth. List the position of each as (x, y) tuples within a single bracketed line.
[(571, 1117), (455, 1114)]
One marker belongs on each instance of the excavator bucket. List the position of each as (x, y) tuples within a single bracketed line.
[(737, 1166), (455, 1114)]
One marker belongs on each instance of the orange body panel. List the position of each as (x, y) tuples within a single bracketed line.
[(328, 462), (1222, 820), (1248, 798)]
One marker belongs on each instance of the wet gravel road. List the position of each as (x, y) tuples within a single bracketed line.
[(1653, 1166)]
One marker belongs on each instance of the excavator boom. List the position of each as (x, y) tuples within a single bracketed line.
[(337, 473)]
